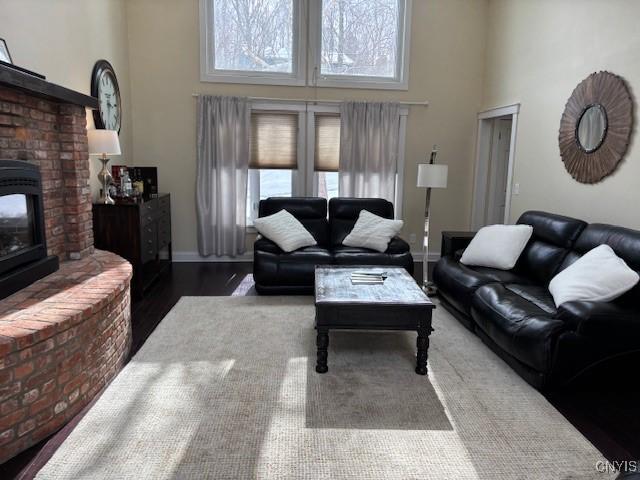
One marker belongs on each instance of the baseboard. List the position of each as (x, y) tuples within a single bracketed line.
[(180, 257), (418, 256), (184, 257)]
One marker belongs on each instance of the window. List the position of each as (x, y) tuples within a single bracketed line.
[(295, 151), (362, 42), (352, 43), (326, 154), (252, 41), (273, 157)]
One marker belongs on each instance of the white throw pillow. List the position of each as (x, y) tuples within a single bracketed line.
[(372, 231), (598, 276), (284, 230), (497, 246)]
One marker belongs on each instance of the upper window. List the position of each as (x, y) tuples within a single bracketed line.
[(253, 36), (361, 39), (352, 43), (251, 41)]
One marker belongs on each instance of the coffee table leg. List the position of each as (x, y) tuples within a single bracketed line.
[(322, 342), (423, 347)]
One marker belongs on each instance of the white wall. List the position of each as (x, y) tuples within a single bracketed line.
[(447, 55), (537, 53), (63, 39)]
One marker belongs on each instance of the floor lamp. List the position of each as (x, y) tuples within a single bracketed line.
[(430, 176)]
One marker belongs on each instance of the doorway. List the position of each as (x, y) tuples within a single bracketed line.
[(494, 166)]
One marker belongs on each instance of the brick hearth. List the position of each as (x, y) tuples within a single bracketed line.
[(61, 340)]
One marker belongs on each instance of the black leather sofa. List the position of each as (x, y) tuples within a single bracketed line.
[(515, 315), (278, 273)]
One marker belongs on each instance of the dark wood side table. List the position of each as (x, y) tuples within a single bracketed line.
[(138, 232), (452, 241), (398, 304)]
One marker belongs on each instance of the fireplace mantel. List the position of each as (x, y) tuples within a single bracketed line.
[(41, 88)]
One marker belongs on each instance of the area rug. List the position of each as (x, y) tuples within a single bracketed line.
[(225, 388)]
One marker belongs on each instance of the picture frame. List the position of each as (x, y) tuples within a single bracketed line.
[(5, 56)]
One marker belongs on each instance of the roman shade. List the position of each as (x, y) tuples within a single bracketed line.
[(327, 144), (274, 140)]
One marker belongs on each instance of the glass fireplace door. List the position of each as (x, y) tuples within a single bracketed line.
[(16, 224)]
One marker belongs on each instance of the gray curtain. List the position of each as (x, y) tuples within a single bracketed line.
[(369, 138), (221, 181)]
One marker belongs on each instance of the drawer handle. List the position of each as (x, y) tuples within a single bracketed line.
[(149, 217), (150, 252), (149, 230), (149, 242)]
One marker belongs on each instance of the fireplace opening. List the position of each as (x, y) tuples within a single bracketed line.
[(23, 246), (16, 223)]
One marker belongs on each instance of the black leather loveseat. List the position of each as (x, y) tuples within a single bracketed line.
[(514, 313), (276, 272)]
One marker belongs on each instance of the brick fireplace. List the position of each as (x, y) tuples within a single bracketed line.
[(64, 337), (53, 137)]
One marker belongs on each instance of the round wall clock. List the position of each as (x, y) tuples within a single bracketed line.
[(104, 86)]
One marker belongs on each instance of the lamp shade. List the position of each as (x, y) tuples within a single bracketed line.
[(103, 142), (432, 176)]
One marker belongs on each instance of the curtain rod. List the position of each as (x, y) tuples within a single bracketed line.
[(313, 100)]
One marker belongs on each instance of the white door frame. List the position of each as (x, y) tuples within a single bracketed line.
[(481, 167)]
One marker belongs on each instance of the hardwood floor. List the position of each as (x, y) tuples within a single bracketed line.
[(609, 418)]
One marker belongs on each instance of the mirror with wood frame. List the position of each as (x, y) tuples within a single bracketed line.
[(596, 127)]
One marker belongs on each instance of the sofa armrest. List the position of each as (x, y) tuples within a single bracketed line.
[(265, 245), (397, 246), (604, 319), (453, 242)]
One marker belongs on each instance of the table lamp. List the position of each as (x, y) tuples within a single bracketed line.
[(430, 176), (103, 143)]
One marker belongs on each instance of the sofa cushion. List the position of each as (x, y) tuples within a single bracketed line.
[(372, 231), (457, 282), (539, 295), (553, 236), (266, 245), (518, 326), (344, 212), (598, 276), (503, 276), (497, 246), (295, 268), (624, 242), (311, 212), (284, 230)]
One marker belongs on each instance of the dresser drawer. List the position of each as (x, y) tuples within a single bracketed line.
[(149, 242), (149, 211), (164, 232), (164, 211)]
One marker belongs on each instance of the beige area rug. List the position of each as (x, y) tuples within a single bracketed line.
[(225, 388)]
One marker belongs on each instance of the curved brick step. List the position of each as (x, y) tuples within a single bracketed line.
[(62, 339)]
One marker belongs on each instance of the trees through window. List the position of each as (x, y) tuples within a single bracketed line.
[(354, 43)]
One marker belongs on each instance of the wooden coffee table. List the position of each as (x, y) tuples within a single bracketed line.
[(398, 304)]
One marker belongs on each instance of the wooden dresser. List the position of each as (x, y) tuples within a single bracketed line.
[(139, 232)]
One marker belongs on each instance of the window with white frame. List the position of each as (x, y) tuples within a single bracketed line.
[(326, 154), (351, 43), (273, 158), (295, 151)]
